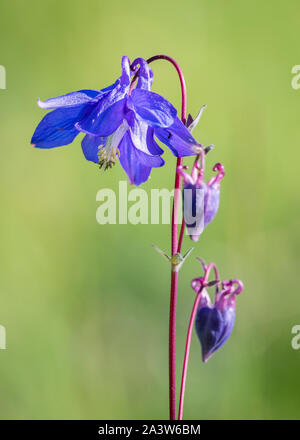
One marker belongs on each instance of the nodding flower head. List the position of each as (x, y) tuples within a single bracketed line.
[(200, 200), (119, 122), (214, 321)]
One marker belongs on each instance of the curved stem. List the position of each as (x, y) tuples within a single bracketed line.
[(186, 355), (207, 272), (179, 159), (174, 244), (181, 78)]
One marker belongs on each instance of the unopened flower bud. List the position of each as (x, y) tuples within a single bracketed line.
[(200, 200), (214, 322)]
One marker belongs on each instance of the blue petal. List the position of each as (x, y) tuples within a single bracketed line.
[(177, 138), (135, 163), (70, 99), (104, 119), (61, 126), (145, 74), (90, 147), (153, 146), (109, 88), (142, 135), (109, 112), (57, 127), (152, 108)]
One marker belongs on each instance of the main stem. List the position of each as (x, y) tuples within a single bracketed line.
[(175, 248), (172, 345)]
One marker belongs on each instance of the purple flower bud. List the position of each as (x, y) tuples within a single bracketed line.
[(200, 200), (214, 322)]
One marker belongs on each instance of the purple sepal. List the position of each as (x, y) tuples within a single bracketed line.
[(135, 163), (178, 138)]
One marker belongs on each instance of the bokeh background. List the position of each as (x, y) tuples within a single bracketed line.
[(86, 306)]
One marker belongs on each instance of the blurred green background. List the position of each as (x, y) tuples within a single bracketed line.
[(86, 306)]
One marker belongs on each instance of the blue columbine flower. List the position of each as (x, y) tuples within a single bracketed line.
[(118, 122), (214, 322)]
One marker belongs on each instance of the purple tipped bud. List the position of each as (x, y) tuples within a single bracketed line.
[(213, 328), (201, 201), (214, 322)]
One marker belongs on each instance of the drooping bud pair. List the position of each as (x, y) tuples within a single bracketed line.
[(200, 200), (214, 321)]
